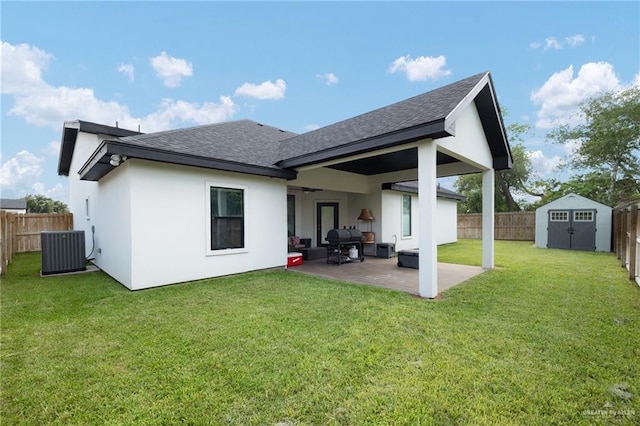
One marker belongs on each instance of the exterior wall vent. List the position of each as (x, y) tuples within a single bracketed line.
[(62, 251)]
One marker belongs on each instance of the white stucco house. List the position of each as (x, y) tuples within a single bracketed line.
[(220, 199), (404, 229)]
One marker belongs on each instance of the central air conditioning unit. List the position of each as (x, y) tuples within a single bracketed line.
[(62, 251)]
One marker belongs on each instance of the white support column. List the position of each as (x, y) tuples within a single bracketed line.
[(428, 259), (488, 219)]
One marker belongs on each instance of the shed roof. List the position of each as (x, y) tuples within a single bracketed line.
[(573, 199)]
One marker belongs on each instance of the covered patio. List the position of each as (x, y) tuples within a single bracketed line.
[(385, 273), (454, 130)]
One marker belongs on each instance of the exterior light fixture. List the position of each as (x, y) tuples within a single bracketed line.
[(116, 159)]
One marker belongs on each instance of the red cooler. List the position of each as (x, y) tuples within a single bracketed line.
[(294, 259)]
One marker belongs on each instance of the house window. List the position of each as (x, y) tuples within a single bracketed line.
[(562, 216), (583, 216), (291, 215), (227, 218), (406, 215)]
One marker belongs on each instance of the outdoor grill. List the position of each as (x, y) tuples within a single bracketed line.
[(335, 236), (341, 245)]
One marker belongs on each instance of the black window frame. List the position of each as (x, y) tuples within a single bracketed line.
[(227, 228)]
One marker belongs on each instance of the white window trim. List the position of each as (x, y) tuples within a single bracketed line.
[(207, 214), (577, 212), (566, 214), (402, 236)]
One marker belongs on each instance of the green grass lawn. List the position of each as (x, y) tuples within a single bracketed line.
[(550, 337)]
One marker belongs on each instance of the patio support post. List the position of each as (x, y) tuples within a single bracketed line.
[(428, 259), (488, 218)]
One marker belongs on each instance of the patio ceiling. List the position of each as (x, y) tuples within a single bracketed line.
[(405, 159)]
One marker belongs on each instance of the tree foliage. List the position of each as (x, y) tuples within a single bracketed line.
[(608, 142), (41, 204), (593, 185)]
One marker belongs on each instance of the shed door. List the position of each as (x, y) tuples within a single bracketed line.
[(572, 229), (558, 226), (583, 223)]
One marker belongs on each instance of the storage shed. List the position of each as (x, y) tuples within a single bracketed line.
[(574, 222)]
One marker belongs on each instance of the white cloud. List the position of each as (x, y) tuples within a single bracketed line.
[(52, 149), (22, 67), (53, 105), (552, 43), (57, 192), (543, 164), (171, 111), (575, 40), (128, 70), (42, 104), (571, 147), (329, 78), (560, 96), (311, 127), (420, 69), (18, 173), (19, 176), (265, 90), (171, 70)]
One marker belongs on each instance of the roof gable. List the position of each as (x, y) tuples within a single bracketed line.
[(430, 115), (70, 131)]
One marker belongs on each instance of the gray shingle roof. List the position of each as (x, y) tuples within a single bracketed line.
[(13, 204), (245, 146), (427, 108), (242, 141), (412, 186)]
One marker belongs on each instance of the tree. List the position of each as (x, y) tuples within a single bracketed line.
[(508, 182), (42, 204), (593, 185), (608, 140)]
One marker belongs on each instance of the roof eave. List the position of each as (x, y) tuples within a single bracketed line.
[(433, 130), (98, 165), (70, 130)]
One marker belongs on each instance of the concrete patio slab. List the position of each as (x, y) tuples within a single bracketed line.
[(385, 273)]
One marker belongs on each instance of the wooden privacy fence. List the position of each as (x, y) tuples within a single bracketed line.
[(20, 233), (626, 237), (518, 226)]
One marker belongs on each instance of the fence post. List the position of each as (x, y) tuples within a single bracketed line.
[(633, 235), (3, 243), (617, 234)]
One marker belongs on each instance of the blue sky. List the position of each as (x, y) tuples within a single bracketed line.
[(296, 66)]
